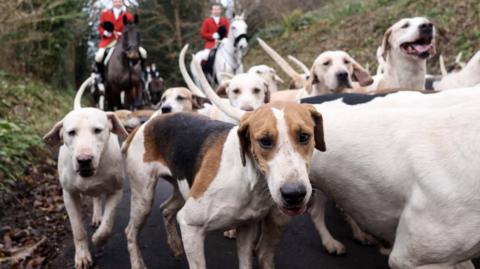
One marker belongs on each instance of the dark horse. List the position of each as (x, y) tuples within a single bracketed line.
[(124, 85)]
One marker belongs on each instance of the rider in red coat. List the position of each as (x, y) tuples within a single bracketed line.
[(215, 27), (110, 29), (108, 18)]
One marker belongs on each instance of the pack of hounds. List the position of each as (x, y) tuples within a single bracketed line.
[(401, 162)]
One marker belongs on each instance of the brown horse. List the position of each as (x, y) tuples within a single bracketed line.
[(124, 85)]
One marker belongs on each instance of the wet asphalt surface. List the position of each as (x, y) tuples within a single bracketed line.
[(300, 247)]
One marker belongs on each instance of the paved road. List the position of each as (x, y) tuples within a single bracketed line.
[(300, 248)]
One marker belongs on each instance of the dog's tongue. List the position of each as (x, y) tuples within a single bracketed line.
[(422, 48)]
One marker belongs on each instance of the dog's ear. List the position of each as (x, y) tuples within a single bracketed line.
[(385, 47), (125, 20), (222, 88), (360, 74), (267, 93), (243, 136), (319, 133), (54, 137), (116, 126), (312, 80), (136, 20), (198, 102)]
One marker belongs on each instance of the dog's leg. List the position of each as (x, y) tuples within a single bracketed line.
[(97, 211), (103, 232), (272, 228), (193, 238), (359, 234), (83, 259), (169, 210), (142, 191), (317, 212), (246, 237)]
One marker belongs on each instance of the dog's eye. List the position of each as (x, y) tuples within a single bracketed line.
[(346, 61), (405, 25), (97, 130), (236, 91), (180, 98), (327, 63), (303, 138), (256, 91), (266, 143), (71, 133)]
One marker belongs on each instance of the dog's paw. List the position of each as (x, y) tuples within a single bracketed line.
[(100, 237), (96, 220), (83, 260), (230, 234), (334, 247)]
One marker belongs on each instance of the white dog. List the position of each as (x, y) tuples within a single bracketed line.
[(89, 163), (406, 46)]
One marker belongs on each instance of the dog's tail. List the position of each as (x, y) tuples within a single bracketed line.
[(183, 69), (299, 64), (443, 69), (77, 102), (287, 68), (228, 109)]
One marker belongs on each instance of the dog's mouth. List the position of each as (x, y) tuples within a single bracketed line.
[(293, 210), (86, 171), (420, 48)]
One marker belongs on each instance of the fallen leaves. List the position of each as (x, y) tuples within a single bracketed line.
[(33, 222)]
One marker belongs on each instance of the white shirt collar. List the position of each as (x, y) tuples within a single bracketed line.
[(216, 19), (117, 11)]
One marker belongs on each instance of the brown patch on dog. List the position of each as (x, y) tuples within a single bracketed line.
[(152, 153), (143, 113), (255, 126), (305, 120), (209, 166)]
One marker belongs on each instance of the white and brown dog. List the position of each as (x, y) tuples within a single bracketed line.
[(180, 99), (403, 55), (89, 163), (331, 72), (232, 176)]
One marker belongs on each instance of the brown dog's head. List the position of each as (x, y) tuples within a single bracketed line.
[(279, 138)]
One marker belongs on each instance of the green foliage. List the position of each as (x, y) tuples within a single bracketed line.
[(28, 109), (41, 36), (358, 27), (16, 143)]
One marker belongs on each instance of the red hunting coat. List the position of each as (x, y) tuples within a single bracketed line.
[(108, 15), (209, 27)]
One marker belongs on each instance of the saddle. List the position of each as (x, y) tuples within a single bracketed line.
[(207, 65)]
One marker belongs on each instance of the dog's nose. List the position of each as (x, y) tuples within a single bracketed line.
[(342, 76), (426, 28), (293, 193), (84, 160), (166, 109)]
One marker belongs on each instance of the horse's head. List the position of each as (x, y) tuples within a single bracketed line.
[(238, 30), (131, 39)]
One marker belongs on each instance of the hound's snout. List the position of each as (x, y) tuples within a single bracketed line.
[(426, 28), (342, 79), (293, 194), (166, 109), (85, 165)]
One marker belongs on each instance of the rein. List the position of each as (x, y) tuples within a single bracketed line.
[(238, 38)]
